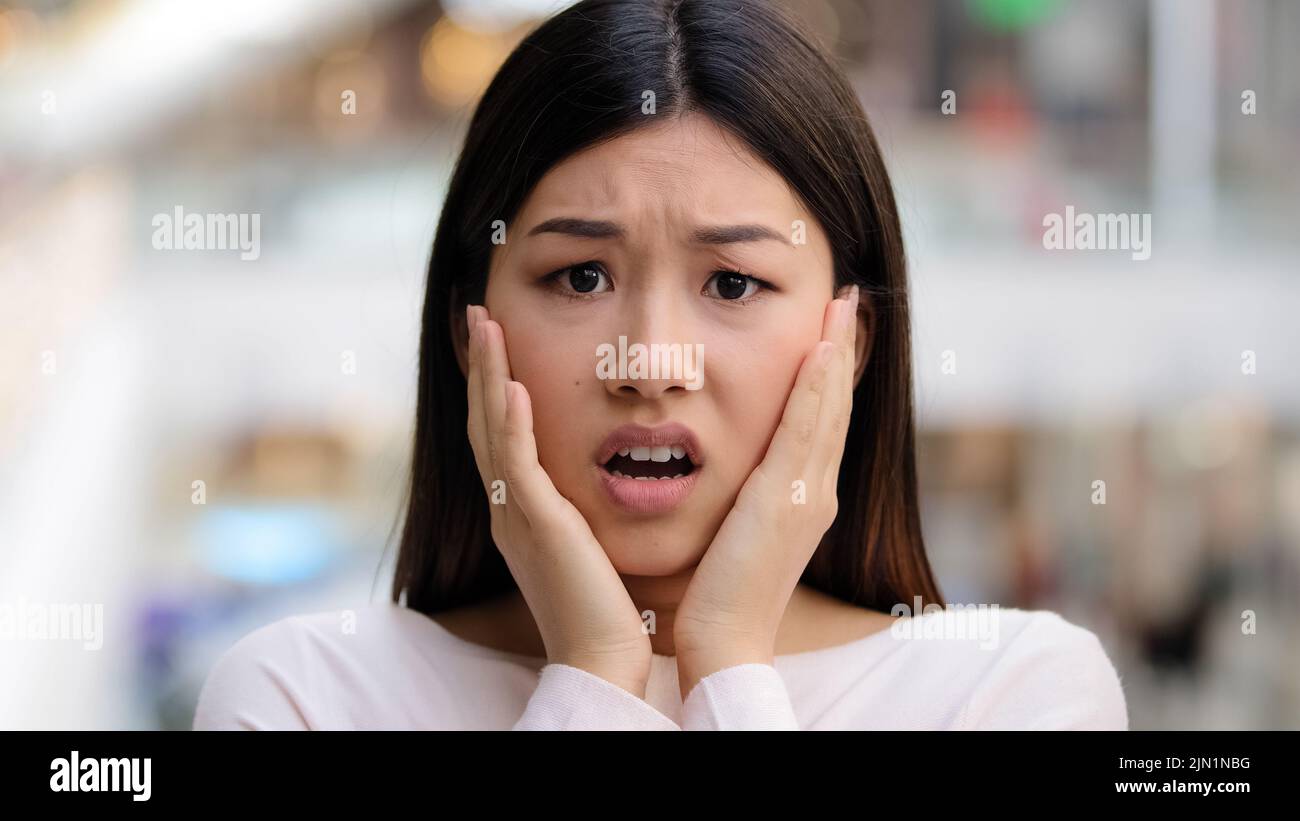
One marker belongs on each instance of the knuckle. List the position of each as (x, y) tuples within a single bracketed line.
[(800, 430), (804, 432), (512, 473), (840, 422)]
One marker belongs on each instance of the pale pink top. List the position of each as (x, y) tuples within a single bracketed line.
[(387, 667)]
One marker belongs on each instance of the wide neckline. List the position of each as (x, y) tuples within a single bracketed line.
[(658, 658)]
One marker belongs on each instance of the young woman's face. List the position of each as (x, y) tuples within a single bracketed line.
[(654, 271)]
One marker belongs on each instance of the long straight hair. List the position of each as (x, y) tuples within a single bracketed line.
[(599, 70)]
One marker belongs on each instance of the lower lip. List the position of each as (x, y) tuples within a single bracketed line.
[(647, 496)]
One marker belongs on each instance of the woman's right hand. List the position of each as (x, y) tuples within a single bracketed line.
[(583, 611)]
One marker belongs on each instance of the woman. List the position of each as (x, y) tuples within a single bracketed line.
[(721, 542)]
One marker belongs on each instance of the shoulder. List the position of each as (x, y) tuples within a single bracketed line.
[(286, 674), (961, 667), (1040, 671)]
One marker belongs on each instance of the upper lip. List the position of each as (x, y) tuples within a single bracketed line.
[(635, 436)]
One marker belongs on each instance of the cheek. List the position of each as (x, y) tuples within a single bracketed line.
[(750, 385), (551, 364)]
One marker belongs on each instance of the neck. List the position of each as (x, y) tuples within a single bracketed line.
[(656, 599)]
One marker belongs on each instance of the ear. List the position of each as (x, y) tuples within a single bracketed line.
[(459, 331), (866, 335)]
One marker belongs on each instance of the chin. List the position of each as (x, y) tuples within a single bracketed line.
[(645, 550)]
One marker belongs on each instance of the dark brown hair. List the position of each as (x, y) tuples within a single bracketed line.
[(579, 79)]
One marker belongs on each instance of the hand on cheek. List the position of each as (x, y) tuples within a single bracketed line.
[(582, 609), (737, 596)]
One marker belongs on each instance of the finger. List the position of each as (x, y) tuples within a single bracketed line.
[(850, 366), (833, 416), (848, 332), (481, 438), (477, 420), (496, 373), (820, 451), (787, 456), (800, 418), (527, 483)]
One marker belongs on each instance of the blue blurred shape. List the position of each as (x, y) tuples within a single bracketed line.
[(269, 544)]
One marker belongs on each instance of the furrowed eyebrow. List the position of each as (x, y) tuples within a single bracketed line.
[(709, 235), (589, 229), (727, 234)]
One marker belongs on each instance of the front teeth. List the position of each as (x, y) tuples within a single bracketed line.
[(659, 454), (622, 475)]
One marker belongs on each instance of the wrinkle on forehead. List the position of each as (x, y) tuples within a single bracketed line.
[(678, 159), (665, 178)]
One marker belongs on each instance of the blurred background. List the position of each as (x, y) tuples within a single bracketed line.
[(204, 443)]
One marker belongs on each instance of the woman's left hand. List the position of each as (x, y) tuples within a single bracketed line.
[(738, 594)]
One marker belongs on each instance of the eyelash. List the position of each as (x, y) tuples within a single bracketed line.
[(553, 279)]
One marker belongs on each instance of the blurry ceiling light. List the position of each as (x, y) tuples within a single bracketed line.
[(249, 19), (136, 61), (457, 63), (151, 22), (491, 16)]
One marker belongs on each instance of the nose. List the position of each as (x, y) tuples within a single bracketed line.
[(653, 347)]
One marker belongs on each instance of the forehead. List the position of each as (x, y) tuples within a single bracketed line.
[(688, 167)]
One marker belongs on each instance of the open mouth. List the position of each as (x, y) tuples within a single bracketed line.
[(651, 463), (649, 471)]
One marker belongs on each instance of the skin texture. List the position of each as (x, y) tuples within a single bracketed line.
[(721, 571)]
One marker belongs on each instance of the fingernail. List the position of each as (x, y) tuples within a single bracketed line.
[(855, 295), (473, 317)]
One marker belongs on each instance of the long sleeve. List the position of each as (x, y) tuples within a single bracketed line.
[(1055, 676), (570, 698), (743, 697)]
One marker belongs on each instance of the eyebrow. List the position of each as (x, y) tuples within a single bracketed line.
[(704, 235)]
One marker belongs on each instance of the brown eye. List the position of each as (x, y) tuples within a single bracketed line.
[(579, 281), (733, 285), (584, 278)]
